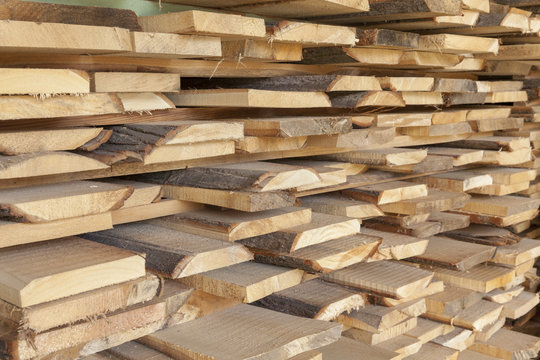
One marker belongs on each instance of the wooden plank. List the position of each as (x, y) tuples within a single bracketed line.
[(43, 81), (51, 37), (143, 193), (430, 349), (173, 253), (520, 305), (322, 228), (477, 316), (383, 277), (333, 204), (15, 233), (348, 349), (249, 201), (509, 344), (246, 282), (403, 345), (390, 156), (436, 200), (28, 107), (385, 38), (289, 9), (250, 98), (376, 318), (31, 141), (324, 257), (310, 34), (500, 205), (407, 84), (46, 163), (135, 82), (516, 254), (459, 339), (396, 246), (152, 44), (235, 225), (459, 181), (379, 57), (204, 23), (68, 14), (387, 192), (245, 323), (162, 208), (479, 278), (454, 254), (251, 176), (383, 335), (483, 234), (427, 330), (33, 276), (458, 44), (435, 286), (261, 50), (314, 83), (60, 201), (85, 338), (297, 126), (74, 308), (135, 351), (382, 11), (315, 299)]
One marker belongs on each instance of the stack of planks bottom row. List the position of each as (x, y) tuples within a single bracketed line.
[(327, 180)]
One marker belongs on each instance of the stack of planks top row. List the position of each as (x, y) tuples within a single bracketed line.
[(197, 180)]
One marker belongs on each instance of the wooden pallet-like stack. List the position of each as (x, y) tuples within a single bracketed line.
[(322, 180)]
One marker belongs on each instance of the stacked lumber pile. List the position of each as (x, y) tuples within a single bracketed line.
[(326, 179)]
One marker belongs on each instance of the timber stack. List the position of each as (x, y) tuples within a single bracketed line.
[(252, 179)]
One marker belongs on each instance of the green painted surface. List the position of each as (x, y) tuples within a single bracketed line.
[(140, 7)]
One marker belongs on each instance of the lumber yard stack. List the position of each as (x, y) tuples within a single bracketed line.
[(270, 180)]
